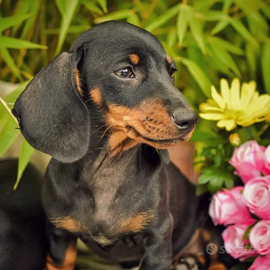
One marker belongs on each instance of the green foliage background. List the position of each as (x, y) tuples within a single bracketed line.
[(208, 39)]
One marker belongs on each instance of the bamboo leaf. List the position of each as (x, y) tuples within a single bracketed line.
[(242, 30), (164, 18), (8, 134), (199, 76), (118, 15), (266, 67), (182, 22), (214, 16), (15, 43), (134, 19), (34, 7), (224, 57), (220, 26), (26, 152), (227, 45), (252, 61), (7, 22), (227, 4), (67, 9), (92, 7), (103, 4), (10, 62), (196, 31)]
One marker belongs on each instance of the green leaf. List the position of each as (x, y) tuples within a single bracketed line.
[(215, 185), (15, 43), (10, 62), (242, 30), (226, 4), (118, 15), (245, 236), (34, 7), (204, 178), (241, 266), (214, 16), (134, 19), (26, 152), (266, 67), (162, 19), (229, 183), (182, 22), (67, 9), (8, 134), (220, 26), (7, 22), (227, 45), (103, 4), (224, 57), (196, 31), (199, 76), (90, 5), (11, 98)]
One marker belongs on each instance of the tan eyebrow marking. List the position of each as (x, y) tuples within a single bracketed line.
[(169, 59), (134, 58)]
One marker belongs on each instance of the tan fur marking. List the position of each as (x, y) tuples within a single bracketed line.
[(96, 96), (69, 261), (137, 222), (69, 224), (169, 59), (134, 58), (78, 82), (217, 266), (150, 120)]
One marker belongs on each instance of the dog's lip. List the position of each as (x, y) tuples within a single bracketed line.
[(164, 141)]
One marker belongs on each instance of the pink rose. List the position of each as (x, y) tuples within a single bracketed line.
[(259, 237), (234, 243), (227, 207), (266, 157), (248, 160), (257, 196), (261, 263)]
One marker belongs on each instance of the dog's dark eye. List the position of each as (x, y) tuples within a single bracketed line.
[(125, 73), (171, 72)]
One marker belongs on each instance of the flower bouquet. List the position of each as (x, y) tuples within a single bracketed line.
[(237, 170)]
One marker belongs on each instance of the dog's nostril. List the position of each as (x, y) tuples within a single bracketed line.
[(185, 120)]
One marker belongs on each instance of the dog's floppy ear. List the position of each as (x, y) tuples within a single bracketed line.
[(51, 113)]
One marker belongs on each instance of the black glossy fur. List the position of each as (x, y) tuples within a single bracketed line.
[(23, 244), (102, 111)]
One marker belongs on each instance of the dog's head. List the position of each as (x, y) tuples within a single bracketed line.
[(122, 72)]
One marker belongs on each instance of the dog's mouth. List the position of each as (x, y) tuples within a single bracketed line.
[(152, 126)]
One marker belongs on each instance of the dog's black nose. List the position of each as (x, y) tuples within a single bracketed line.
[(185, 120)]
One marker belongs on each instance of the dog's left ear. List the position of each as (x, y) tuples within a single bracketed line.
[(51, 112)]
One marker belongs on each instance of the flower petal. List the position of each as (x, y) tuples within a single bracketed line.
[(225, 92), (218, 99), (247, 92), (212, 116), (235, 94), (229, 124)]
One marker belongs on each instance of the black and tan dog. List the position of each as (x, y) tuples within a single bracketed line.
[(106, 111)]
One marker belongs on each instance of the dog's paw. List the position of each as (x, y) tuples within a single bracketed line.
[(186, 263)]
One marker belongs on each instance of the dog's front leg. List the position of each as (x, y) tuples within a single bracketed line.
[(158, 245), (62, 249)]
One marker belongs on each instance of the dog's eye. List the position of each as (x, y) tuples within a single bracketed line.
[(125, 73), (171, 72)]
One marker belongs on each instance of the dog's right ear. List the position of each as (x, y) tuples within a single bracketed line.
[(51, 112)]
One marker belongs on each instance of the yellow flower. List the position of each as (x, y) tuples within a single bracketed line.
[(235, 139), (233, 107)]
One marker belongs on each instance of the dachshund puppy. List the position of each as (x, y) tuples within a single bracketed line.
[(106, 111)]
